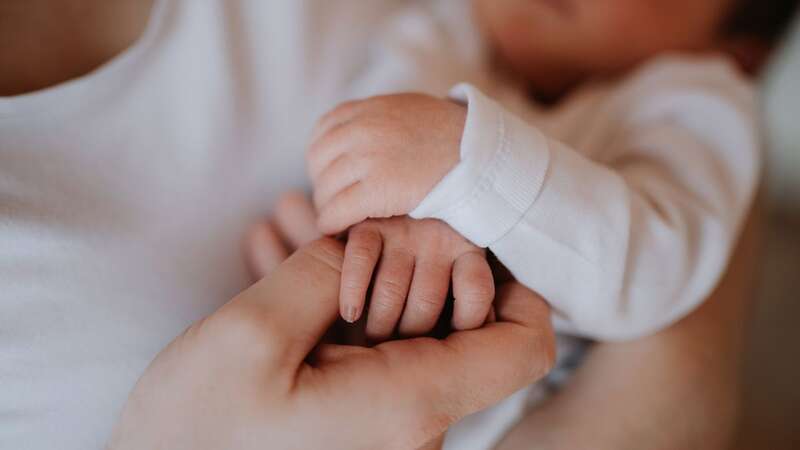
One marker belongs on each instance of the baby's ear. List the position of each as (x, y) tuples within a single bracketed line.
[(750, 52)]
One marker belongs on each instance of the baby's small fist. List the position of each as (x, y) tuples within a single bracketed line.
[(380, 157), (409, 264)]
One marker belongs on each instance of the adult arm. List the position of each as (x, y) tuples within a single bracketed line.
[(254, 374), (679, 389)]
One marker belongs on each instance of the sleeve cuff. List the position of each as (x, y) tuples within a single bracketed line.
[(502, 169)]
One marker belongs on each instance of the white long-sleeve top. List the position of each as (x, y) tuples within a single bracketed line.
[(621, 207), (125, 193)]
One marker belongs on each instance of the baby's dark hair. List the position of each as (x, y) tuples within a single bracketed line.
[(763, 19)]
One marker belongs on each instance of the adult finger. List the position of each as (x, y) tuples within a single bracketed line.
[(389, 292), (426, 297), (291, 309), (264, 250), (296, 219), (473, 290), (360, 258), (469, 361)]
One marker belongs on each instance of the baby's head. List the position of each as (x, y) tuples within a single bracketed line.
[(557, 43)]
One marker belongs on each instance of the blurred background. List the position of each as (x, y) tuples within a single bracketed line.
[(772, 398)]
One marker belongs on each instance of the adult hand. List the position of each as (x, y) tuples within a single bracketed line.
[(249, 377)]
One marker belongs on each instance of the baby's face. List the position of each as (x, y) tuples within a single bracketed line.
[(554, 43)]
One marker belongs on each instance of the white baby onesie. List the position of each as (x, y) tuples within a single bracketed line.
[(622, 206), (124, 194)]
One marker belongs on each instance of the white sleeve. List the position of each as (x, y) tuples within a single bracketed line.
[(620, 249)]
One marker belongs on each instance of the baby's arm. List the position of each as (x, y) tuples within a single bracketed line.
[(412, 263), (620, 248)]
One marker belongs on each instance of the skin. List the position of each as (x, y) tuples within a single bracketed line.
[(109, 26), (413, 262), (663, 389), (553, 45), (678, 389), (255, 372), (364, 159), (434, 252), (365, 156), (46, 42), (370, 151), (364, 163)]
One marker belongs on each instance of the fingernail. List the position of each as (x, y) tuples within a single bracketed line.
[(351, 315)]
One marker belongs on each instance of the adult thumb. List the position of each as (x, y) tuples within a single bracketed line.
[(298, 301)]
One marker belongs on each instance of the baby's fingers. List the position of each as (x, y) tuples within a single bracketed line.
[(389, 293), (345, 171), (333, 136), (296, 219), (426, 296), (360, 257), (264, 250), (348, 207), (473, 289)]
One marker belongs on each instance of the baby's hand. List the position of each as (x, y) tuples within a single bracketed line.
[(292, 225), (381, 156), (412, 262)]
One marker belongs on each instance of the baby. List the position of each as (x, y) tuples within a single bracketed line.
[(617, 196)]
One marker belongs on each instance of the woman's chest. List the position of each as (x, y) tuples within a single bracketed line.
[(120, 226)]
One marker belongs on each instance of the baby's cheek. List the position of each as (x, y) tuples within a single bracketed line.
[(503, 30)]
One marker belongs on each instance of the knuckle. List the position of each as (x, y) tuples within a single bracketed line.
[(363, 247), (401, 254), (335, 134), (428, 303), (361, 256), (365, 131), (391, 293), (364, 236), (370, 163)]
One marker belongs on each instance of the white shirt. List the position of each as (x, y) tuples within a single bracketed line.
[(125, 194), (621, 207)]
